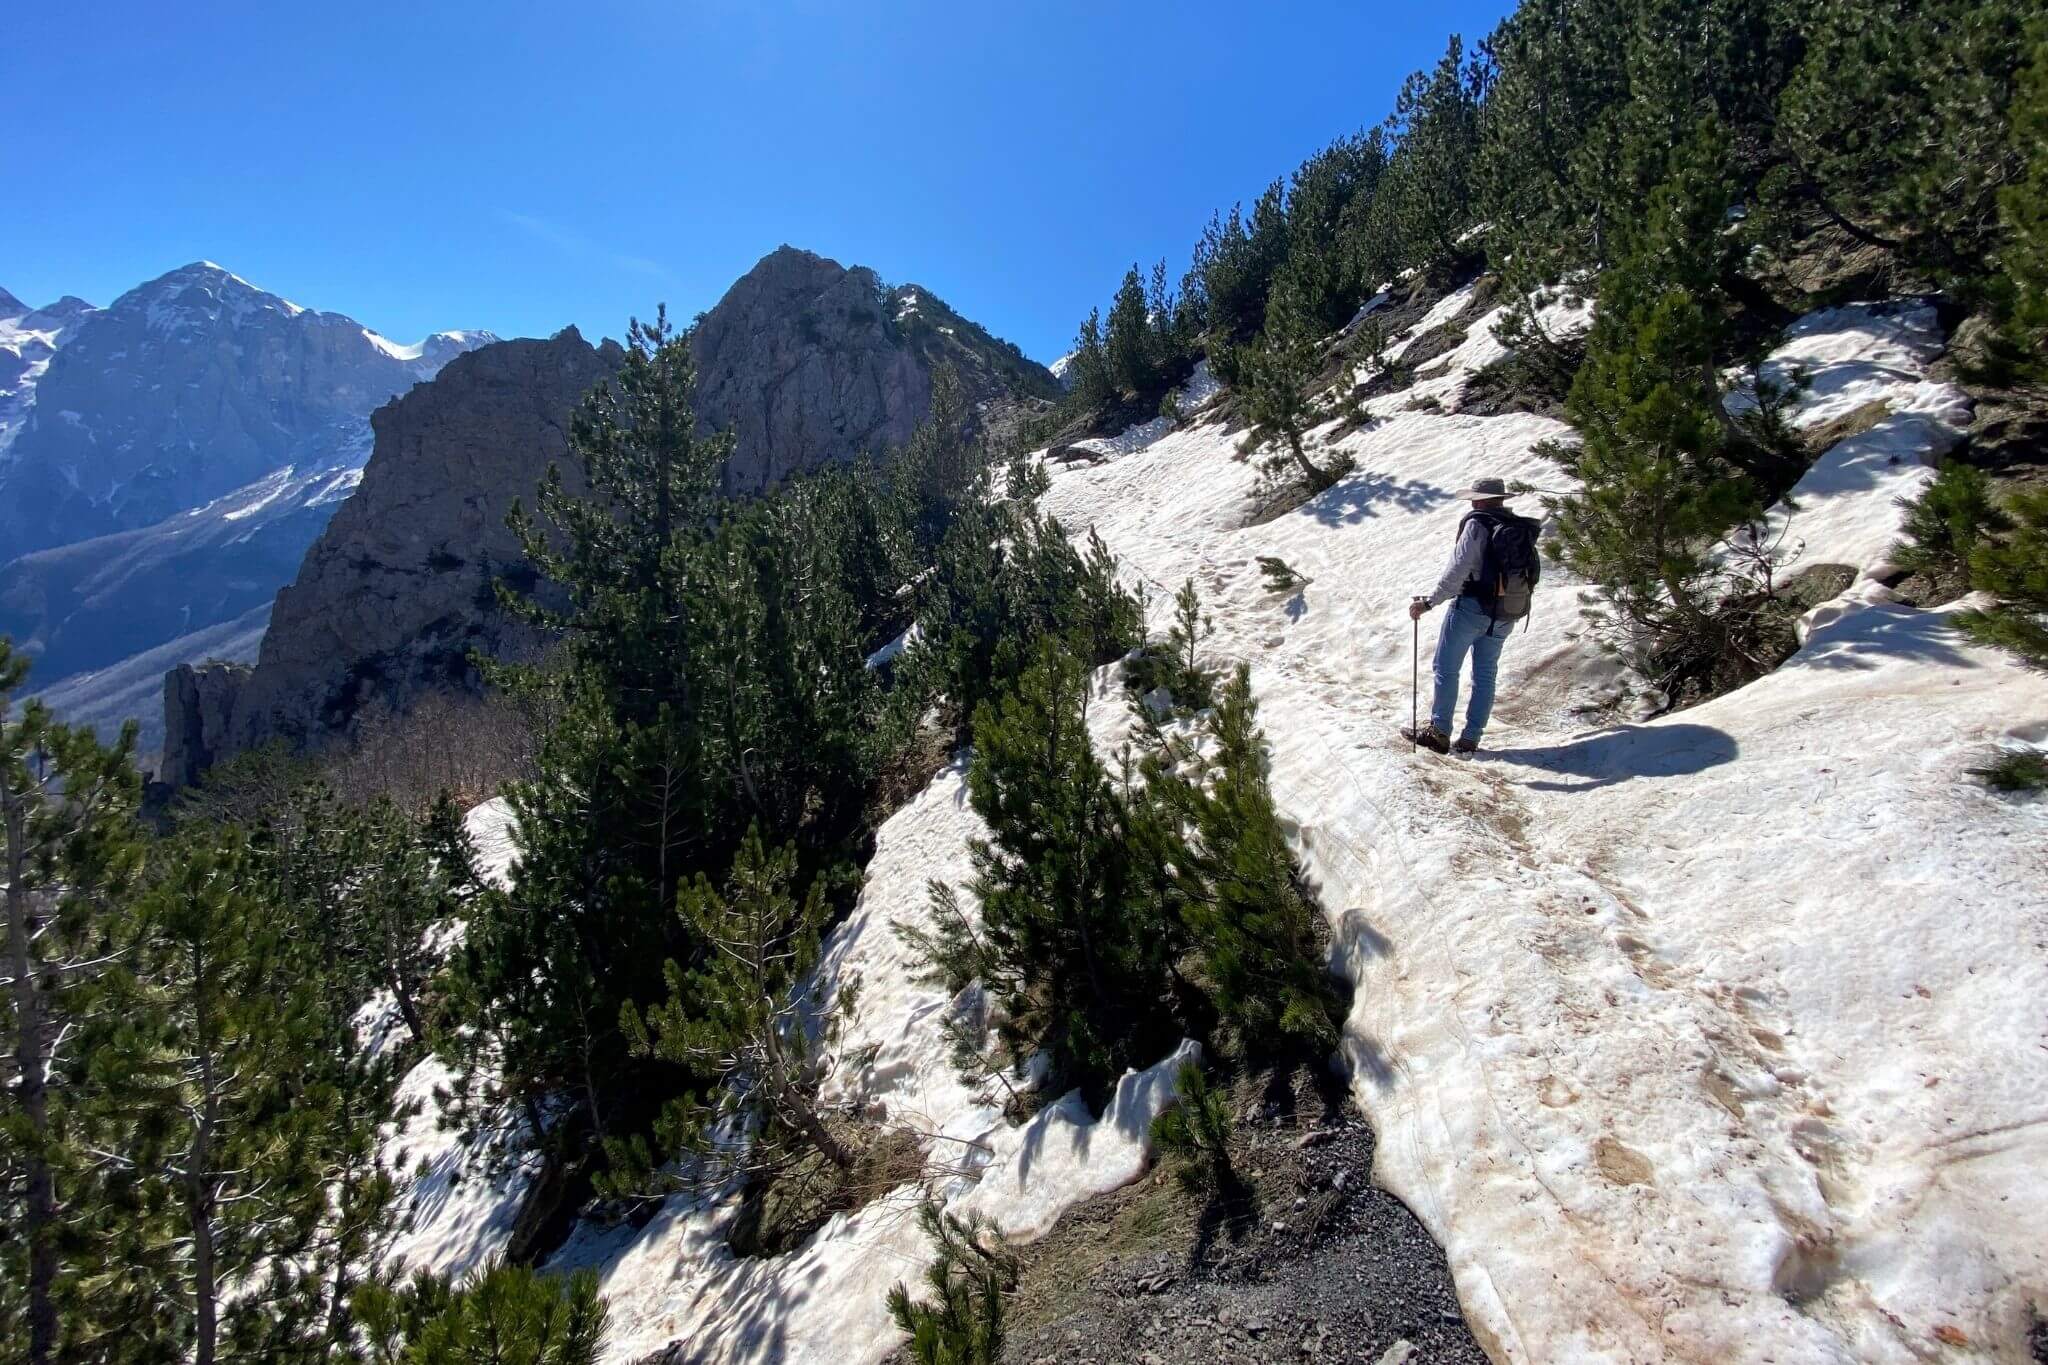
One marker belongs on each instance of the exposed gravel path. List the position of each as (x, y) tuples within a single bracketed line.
[(1328, 1267)]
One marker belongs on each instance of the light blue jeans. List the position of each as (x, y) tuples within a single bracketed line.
[(1467, 630)]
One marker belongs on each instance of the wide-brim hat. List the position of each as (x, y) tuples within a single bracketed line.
[(1484, 488)]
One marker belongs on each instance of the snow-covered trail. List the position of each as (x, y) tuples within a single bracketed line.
[(1715, 1038)]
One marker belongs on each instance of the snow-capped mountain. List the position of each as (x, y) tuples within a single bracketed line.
[(183, 390), (165, 462), (29, 337)]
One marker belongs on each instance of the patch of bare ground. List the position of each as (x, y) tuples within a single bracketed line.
[(1305, 1260)]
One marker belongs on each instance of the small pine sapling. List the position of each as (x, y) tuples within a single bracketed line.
[(962, 1321), (2014, 569), (2015, 770), (1194, 1135), (1282, 577), (1947, 522), (1193, 686)]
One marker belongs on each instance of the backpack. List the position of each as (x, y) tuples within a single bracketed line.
[(1507, 577)]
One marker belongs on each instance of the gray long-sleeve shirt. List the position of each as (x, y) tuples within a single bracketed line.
[(1467, 557)]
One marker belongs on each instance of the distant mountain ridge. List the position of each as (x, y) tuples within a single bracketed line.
[(186, 388), (29, 337), (164, 463)]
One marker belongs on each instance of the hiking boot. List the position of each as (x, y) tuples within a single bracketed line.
[(1466, 745), (1429, 737)]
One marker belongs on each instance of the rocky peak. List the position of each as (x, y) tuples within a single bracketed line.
[(10, 306), (808, 361), (396, 591), (60, 314)]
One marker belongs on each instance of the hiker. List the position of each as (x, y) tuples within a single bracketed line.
[(1493, 571)]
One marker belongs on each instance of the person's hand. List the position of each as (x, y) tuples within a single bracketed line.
[(1418, 608)]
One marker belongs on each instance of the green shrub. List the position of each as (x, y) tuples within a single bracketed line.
[(962, 1322)]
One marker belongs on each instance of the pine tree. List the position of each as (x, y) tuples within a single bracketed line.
[(217, 1108), (1657, 486), (2024, 206), (753, 1020), (1192, 684), (1090, 385), (1945, 525), (1007, 578), (712, 677), (1235, 262), (1194, 1135), (1423, 202), (1276, 374), (1077, 939), (940, 470), (1324, 202), (1894, 127), (2014, 568), (500, 1315), (636, 774), (66, 815), (1556, 77), (1247, 914), (961, 1322), (1127, 340)]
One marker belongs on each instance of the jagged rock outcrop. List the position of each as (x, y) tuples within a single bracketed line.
[(806, 362), (185, 389), (201, 698)]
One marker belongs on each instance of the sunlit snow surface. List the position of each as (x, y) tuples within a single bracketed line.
[(1718, 1038)]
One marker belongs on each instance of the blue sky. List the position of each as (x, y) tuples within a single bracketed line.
[(517, 167)]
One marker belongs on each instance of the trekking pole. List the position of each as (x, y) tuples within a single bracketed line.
[(1414, 675)]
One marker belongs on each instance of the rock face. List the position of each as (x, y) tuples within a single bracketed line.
[(201, 697), (805, 360), (185, 389), (397, 590)]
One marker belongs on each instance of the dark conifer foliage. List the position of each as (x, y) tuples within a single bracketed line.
[(500, 1315), (959, 1321), (72, 852), (1077, 938)]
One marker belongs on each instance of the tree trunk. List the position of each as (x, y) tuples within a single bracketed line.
[(199, 1214), (40, 1192), (818, 1135), (1318, 477), (408, 1008)]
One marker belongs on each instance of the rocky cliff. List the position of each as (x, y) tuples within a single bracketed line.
[(806, 361), (396, 592)]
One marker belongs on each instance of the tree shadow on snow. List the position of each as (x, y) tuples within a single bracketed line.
[(1359, 496), (1606, 757), (1867, 637)]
